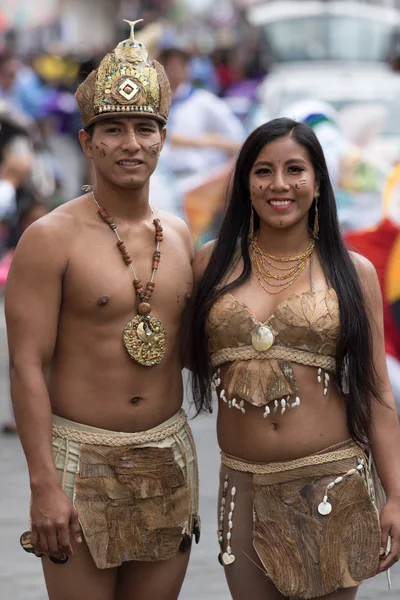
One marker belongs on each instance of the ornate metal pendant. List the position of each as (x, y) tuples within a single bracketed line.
[(262, 338), (145, 340)]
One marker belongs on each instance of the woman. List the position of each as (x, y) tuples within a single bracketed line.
[(288, 327)]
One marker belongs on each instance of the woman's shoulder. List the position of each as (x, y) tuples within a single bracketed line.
[(368, 278), (363, 266)]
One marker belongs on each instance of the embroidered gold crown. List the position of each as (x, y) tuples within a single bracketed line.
[(126, 82)]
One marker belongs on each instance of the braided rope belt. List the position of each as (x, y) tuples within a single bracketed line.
[(278, 467), (120, 438), (278, 352)]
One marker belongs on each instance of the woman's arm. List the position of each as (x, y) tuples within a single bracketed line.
[(384, 432)]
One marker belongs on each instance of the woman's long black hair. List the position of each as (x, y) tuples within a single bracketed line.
[(356, 375)]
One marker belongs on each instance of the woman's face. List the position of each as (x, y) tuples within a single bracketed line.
[(283, 184)]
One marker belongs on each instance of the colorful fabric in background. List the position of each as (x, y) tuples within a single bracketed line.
[(381, 245), (393, 281), (377, 245), (204, 206)]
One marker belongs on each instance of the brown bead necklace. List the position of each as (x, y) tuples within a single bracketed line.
[(144, 336)]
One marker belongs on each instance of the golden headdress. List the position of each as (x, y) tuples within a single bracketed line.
[(126, 82)]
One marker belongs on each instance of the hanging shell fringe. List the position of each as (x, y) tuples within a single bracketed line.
[(226, 557), (216, 380), (284, 404), (323, 377)]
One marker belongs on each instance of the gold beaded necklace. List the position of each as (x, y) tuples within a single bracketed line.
[(144, 336), (262, 261)]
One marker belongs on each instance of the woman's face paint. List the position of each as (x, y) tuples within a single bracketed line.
[(282, 183), (301, 183)]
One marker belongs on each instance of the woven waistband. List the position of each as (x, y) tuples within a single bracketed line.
[(279, 467), (302, 357), (101, 437)]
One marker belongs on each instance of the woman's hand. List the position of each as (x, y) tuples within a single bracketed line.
[(390, 527)]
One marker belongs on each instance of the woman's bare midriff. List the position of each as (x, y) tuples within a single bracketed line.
[(319, 422)]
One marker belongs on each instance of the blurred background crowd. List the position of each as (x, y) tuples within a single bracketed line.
[(232, 65)]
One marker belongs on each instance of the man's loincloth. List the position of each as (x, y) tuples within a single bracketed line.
[(306, 554), (136, 493)]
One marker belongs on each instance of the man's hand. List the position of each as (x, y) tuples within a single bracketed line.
[(54, 521)]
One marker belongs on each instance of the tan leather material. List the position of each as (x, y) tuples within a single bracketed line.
[(305, 323), (133, 503), (278, 528), (308, 555)]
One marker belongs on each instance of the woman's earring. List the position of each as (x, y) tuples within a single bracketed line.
[(251, 228), (316, 220)]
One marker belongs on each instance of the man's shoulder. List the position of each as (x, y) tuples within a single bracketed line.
[(58, 225), (171, 220), (176, 226)]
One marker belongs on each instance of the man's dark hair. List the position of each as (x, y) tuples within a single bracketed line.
[(174, 52)]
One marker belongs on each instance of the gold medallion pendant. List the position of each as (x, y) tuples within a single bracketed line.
[(145, 340), (144, 336)]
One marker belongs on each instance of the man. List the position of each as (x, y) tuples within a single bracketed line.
[(204, 133), (21, 87), (95, 357)]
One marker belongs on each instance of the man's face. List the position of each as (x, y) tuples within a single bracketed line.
[(125, 150), (176, 69), (8, 73)]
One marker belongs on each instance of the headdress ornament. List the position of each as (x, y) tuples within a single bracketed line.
[(126, 82)]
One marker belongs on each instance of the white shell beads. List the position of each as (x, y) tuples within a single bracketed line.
[(262, 338), (323, 378), (227, 557), (324, 508)]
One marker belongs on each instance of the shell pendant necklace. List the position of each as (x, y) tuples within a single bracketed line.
[(144, 336), (262, 336)]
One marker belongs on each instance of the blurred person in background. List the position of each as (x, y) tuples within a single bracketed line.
[(14, 171), (203, 132), (10, 66), (95, 381), (287, 329), (381, 245), (20, 86)]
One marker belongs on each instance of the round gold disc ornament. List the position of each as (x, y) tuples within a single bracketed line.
[(145, 340)]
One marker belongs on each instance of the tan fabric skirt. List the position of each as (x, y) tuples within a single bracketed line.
[(312, 522), (136, 494)]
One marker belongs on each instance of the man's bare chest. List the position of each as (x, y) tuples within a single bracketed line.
[(99, 286)]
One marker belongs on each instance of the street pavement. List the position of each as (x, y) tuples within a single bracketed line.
[(20, 573)]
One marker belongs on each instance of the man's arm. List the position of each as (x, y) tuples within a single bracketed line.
[(32, 304)]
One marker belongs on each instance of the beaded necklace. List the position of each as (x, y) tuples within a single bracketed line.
[(262, 261), (144, 336)]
